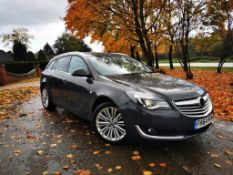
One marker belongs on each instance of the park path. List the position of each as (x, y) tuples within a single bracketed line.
[(199, 64)]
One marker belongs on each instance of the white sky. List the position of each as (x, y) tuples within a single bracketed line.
[(43, 18)]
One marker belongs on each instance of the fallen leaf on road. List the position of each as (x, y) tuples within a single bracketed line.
[(83, 172), (118, 167), (136, 153), (146, 172), (217, 165), (137, 157), (151, 164), (74, 146), (107, 152), (228, 162), (228, 152), (74, 162), (98, 166), (58, 136), (163, 165), (107, 145), (40, 152), (221, 136), (53, 145), (187, 169), (45, 173), (10, 157), (69, 156), (214, 155), (96, 152), (66, 167), (57, 173), (109, 170), (17, 152)]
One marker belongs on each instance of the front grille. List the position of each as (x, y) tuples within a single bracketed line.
[(198, 107)]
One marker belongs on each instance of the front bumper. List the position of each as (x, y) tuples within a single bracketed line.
[(166, 137), (160, 124)]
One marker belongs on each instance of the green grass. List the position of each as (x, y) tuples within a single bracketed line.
[(205, 59), (224, 69)]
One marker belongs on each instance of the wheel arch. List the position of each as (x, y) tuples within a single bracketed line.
[(101, 100)]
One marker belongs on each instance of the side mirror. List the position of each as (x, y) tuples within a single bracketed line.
[(81, 73)]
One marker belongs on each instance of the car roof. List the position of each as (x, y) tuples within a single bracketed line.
[(84, 54)]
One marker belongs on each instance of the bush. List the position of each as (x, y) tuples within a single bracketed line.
[(23, 67)]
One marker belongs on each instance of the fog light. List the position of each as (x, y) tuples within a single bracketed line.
[(150, 130)]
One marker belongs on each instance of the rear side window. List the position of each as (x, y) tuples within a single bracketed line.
[(62, 64), (77, 63), (50, 66)]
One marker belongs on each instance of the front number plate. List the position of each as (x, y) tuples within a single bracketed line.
[(200, 123)]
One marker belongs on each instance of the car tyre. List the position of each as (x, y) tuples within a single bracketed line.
[(109, 123), (46, 100)]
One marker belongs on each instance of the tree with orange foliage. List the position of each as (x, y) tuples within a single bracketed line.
[(221, 18), (118, 24)]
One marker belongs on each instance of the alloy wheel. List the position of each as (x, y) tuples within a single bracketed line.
[(45, 98), (110, 124)]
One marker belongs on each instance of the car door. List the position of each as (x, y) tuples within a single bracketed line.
[(58, 80), (46, 76), (78, 87)]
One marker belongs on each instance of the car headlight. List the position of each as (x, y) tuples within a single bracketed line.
[(148, 101)]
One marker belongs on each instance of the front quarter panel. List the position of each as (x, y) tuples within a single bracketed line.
[(111, 91)]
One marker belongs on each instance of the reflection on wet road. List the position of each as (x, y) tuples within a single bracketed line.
[(38, 141)]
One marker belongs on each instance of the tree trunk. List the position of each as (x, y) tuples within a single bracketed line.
[(170, 57), (137, 56), (132, 48), (156, 59)]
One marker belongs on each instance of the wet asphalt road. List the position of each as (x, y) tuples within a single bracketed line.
[(39, 141)]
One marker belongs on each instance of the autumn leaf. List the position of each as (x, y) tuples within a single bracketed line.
[(151, 164), (109, 170), (214, 155), (96, 152), (53, 145), (66, 167), (74, 146), (217, 165), (17, 152), (57, 173), (107, 152), (228, 152), (136, 153), (45, 173), (228, 162), (83, 172), (69, 156), (40, 152), (163, 164), (118, 167), (136, 157), (98, 166), (146, 172)]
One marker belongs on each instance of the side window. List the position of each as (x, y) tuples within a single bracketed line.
[(77, 63), (62, 64), (50, 65)]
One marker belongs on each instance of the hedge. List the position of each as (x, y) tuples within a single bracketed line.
[(23, 67)]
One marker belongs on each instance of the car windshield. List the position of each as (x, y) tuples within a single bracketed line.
[(117, 65)]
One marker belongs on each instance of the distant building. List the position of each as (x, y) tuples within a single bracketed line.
[(5, 57)]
